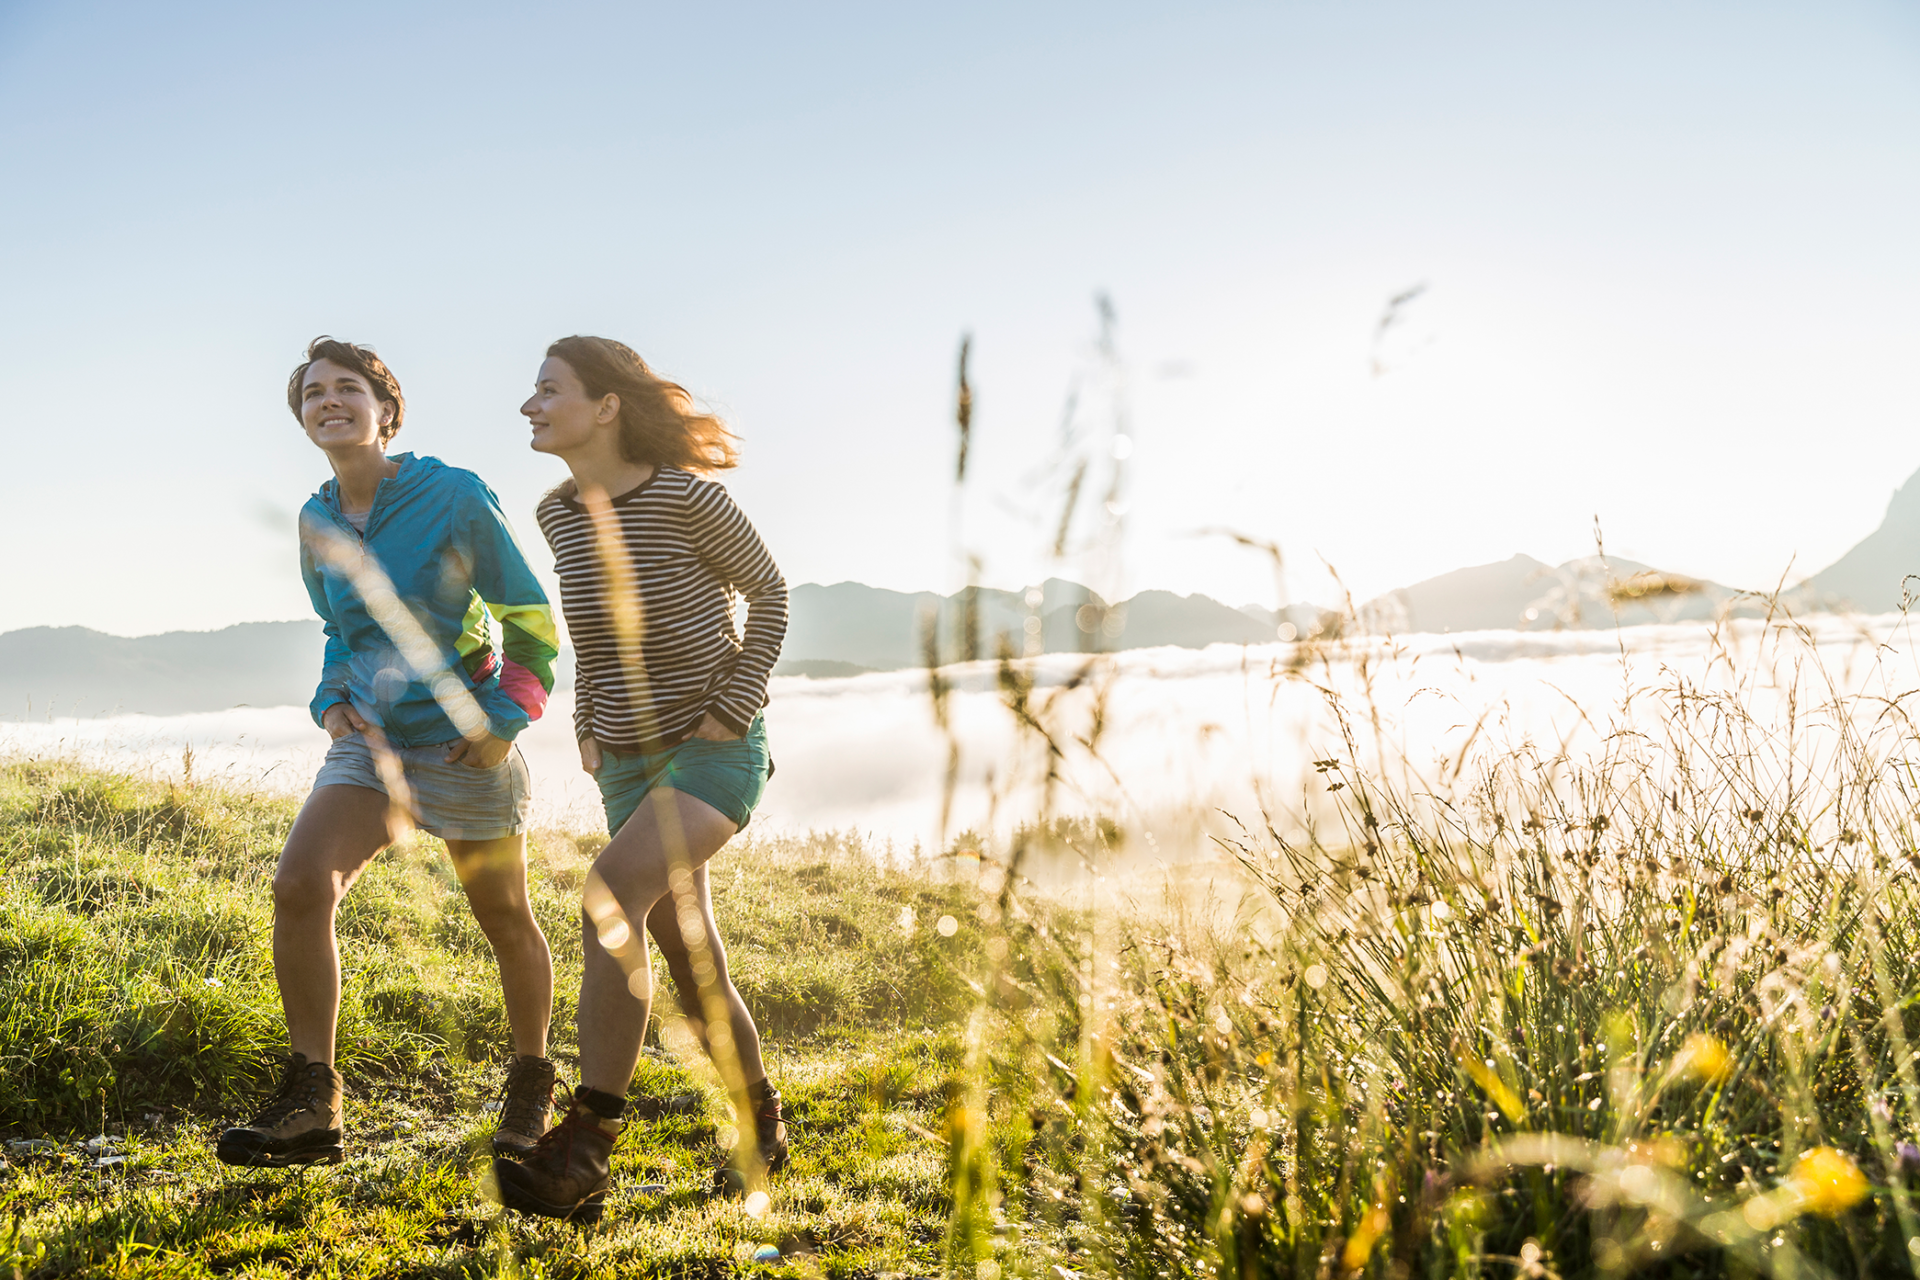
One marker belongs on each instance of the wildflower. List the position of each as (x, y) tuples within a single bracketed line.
[(1827, 1182), (1704, 1058), (1360, 1243), (1906, 1159)]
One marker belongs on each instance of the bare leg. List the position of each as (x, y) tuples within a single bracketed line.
[(663, 922), (494, 874), (669, 836), (339, 831)]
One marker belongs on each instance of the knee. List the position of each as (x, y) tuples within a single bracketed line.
[(609, 940), (503, 919), (301, 891)]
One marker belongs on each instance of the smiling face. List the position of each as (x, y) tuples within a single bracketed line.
[(565, 418), (340, 410)]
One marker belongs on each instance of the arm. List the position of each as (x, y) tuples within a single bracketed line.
[(583, 722), (728, 544), (590, 758), (582, 704), (529, 641), (332, 690)]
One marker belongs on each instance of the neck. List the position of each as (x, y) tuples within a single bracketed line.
[(360, 470), (599, 469)]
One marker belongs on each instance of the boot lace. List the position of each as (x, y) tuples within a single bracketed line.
[(768, 1116), (297, 1092), (527, 1096), (554, 1151)]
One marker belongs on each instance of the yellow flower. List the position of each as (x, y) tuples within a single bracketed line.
[(1827, 1182), (1704, 1058), (1360, 1243)]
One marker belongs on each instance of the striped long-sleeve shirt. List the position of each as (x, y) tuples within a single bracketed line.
[(688, 550)]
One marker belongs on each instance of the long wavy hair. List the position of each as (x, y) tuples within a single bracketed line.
[(659, 423)]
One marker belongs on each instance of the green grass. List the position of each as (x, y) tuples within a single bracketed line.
[(1653, 1011), (137, 1001)]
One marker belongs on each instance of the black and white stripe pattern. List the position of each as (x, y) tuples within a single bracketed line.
[(690, 550)]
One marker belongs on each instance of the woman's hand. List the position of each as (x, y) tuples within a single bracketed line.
[(590, 755), (481, 752), (712, 730), (341, 719)]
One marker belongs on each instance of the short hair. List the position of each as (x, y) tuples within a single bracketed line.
[(362, 361)]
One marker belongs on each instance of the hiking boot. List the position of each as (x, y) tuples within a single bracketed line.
[(526, 1106), (770, 1141), (299, 1125), (565, 1174)]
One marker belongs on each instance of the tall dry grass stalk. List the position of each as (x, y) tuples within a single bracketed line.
[(1645, 1005)]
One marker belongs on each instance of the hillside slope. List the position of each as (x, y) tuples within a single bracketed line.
[(1872, 576)]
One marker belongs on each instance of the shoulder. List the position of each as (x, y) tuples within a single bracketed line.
[(701, 492), (319, 514), (435, 474), (562, 523), (672, 480), (556, 504)]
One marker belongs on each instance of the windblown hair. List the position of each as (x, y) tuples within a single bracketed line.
[(659, 424), (362, 361)]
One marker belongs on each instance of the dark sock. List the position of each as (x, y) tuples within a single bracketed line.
[(604, 1105), (762, 1090)]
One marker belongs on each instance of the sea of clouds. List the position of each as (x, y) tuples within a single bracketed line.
[(1188, 742)]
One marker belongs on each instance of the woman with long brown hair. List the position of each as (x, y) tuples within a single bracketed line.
[(650, 556)]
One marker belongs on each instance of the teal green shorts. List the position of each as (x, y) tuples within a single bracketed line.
[(730, 776)]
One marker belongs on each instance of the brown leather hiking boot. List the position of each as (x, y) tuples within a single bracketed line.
[(299, 1125), (565, 1174), (770, 1138), (526, 1106)]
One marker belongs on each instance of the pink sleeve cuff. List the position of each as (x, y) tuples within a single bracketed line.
[(524, 688)]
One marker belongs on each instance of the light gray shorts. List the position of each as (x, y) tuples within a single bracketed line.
[(451, 801)]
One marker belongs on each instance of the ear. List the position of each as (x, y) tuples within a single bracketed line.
[(387, 411), (608, 410)]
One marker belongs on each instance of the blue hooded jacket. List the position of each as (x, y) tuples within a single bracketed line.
[(406, 608)]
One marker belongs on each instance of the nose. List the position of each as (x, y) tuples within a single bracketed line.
[(527, 410)]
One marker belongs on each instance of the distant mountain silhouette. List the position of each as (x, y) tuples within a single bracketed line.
[(1871, 577), (68, 671), (1305, 619), (841, 630), (886, 630), (1524, 594)]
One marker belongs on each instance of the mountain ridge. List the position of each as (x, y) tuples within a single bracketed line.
[(848, 628), (1871, 576), (844, 629)]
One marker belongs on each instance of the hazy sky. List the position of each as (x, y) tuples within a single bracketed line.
[(1670, 253)]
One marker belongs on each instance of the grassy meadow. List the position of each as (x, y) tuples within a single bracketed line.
[(138, 1015), (1650, 1010)]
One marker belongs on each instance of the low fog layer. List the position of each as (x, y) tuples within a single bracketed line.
[(1188, 736)]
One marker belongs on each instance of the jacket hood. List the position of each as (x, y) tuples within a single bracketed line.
[(414, 470)]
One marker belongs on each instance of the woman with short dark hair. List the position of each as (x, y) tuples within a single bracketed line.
[(405, 559)]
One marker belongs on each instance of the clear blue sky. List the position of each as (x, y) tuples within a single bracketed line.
[(1670, 250)]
